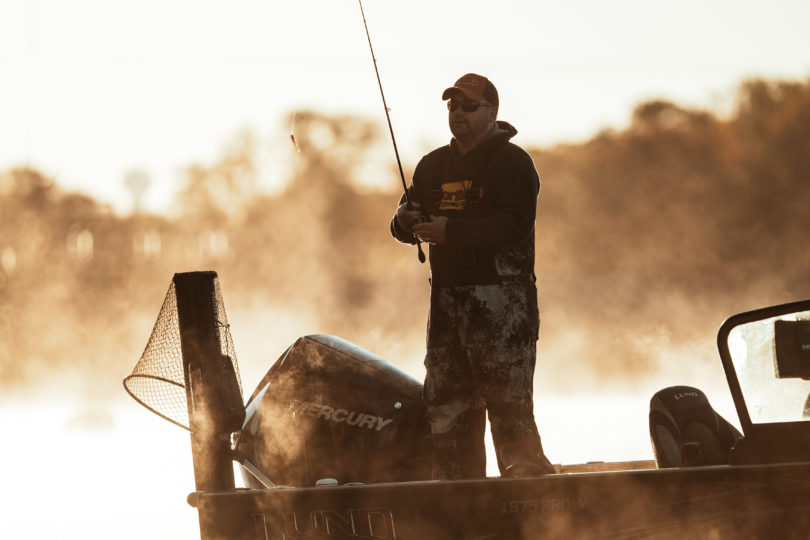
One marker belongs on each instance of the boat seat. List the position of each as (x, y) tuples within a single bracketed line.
[(685, 430)]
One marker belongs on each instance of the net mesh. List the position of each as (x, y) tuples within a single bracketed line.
[(157, 381)]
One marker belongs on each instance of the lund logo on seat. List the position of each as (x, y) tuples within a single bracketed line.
[(685, 395), (377, 523)]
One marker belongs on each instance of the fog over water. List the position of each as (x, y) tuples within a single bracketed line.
[(647, 239)]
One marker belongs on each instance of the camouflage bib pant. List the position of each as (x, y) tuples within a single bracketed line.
[(481, 351)]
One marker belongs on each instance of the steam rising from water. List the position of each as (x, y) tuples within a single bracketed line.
[(647, 240)]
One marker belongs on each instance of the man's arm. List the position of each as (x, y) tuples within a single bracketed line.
[(402, 223)]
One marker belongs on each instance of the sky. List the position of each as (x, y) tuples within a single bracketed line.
[(92, 90)]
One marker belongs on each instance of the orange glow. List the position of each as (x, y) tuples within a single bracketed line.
[(668, 203)]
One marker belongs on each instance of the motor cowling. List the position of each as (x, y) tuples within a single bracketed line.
[(330, 409)]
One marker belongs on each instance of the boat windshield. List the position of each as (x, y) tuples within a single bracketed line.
[(771, 358)]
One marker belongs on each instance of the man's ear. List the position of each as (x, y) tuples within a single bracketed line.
[(493, 113)]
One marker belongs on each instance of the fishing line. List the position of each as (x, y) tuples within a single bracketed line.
[(292, 133)]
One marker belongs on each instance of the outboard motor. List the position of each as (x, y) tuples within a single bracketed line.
[(328, 409), (685, 431)]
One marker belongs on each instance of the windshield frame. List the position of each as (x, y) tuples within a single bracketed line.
[(723, 335)]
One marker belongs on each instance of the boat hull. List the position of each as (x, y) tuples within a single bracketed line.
[(757, 501)]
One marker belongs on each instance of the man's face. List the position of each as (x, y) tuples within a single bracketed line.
[(470, 125)]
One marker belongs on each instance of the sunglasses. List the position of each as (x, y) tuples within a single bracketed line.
[(466, 106)]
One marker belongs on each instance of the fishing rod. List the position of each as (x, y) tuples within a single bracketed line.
[(390, 127)]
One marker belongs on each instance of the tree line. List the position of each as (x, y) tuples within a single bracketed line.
[(661, 229)]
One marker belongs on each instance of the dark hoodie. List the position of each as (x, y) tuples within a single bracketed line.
[(490, 197)]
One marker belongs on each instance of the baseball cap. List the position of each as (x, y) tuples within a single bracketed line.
[(474, 87)]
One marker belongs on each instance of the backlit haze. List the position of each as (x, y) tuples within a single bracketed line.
[(93, 90), (655, 222)]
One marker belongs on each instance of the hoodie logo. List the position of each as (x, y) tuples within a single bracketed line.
[(457, 195)]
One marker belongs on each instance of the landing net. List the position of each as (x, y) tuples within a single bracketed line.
[(157, 382)]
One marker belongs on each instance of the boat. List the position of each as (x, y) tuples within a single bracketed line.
[(333, 443)]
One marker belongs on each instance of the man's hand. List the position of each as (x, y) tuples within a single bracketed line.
[(432, 231), (406, 216)]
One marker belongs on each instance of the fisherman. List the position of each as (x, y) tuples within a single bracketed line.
[(474, 202)]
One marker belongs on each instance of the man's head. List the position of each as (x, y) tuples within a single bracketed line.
[(475, 88), (473, 109)]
